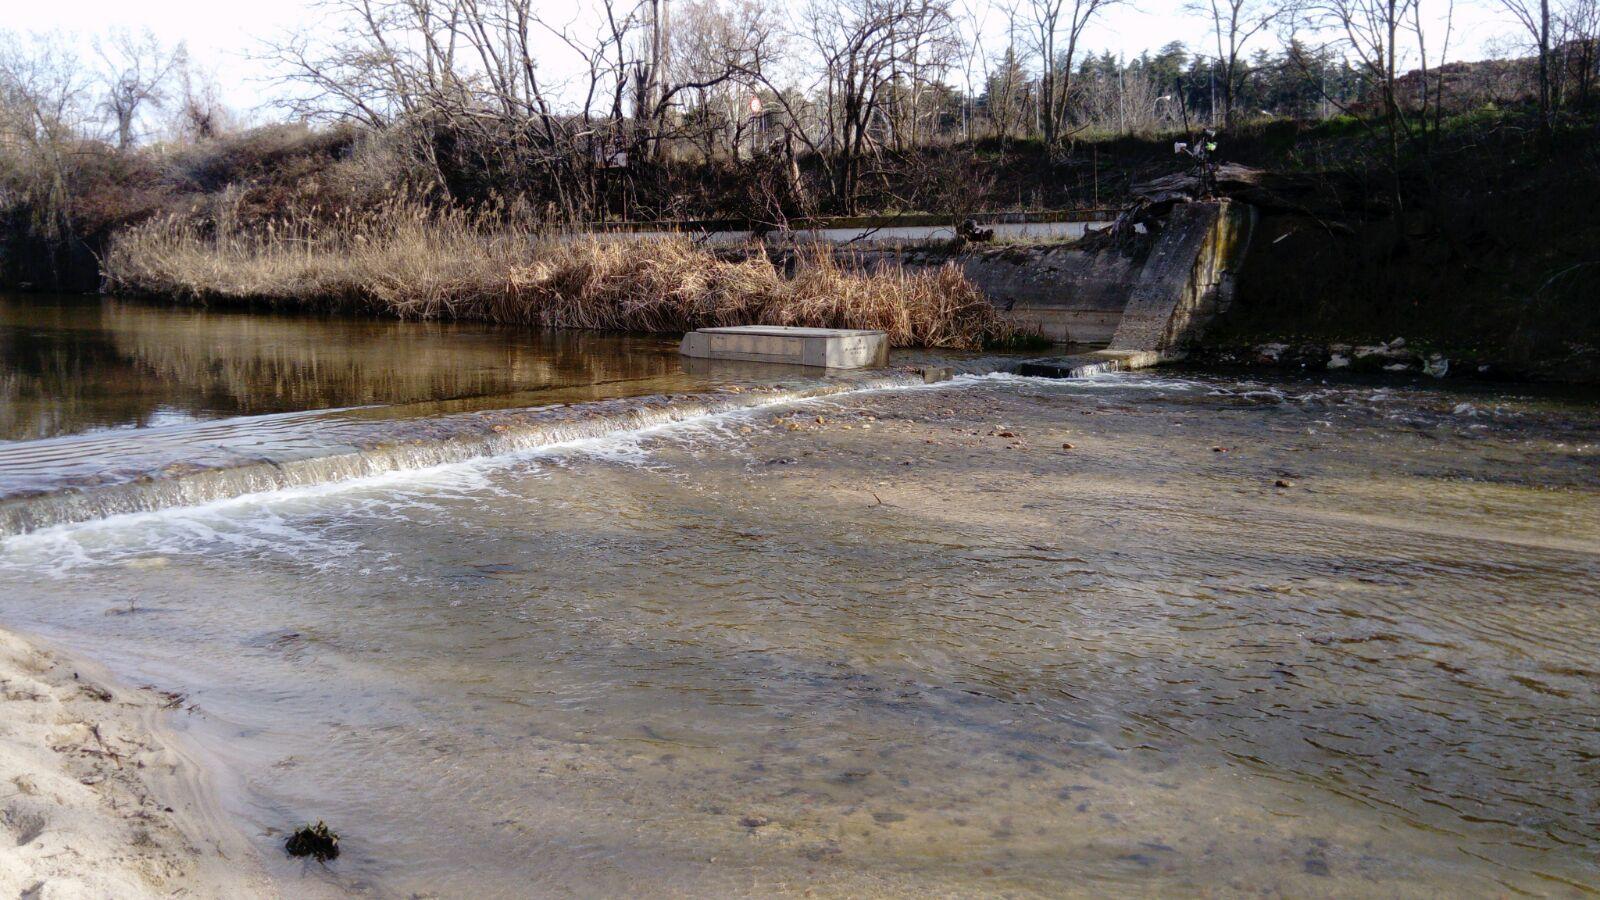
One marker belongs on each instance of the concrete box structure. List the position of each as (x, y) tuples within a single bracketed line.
[(833, 348)]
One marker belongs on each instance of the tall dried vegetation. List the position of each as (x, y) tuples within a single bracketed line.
[(409, 260)]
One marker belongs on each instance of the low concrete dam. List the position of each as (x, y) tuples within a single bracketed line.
[(110, 407), (1147, 299), (200, 465)]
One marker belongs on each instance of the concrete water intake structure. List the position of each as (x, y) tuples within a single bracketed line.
[(832, 348)]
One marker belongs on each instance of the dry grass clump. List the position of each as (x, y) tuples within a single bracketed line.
[(409, 261)]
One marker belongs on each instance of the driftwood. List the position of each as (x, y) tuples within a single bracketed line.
[(969, 230), (1279, 192)]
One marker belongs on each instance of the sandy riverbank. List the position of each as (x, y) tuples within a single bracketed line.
[(96, 799)]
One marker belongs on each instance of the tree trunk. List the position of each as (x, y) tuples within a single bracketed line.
[(1544, 74)]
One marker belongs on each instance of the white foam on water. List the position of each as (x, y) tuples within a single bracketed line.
[(279, 521), (271, 523), (1100, 381), (308, 522)]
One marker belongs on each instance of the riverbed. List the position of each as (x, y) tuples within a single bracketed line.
[(1173, 633)]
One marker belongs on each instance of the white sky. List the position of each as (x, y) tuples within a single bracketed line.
[(222, 33)]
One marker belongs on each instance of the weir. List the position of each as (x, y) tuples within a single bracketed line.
[(333, 450), (1148, 299)]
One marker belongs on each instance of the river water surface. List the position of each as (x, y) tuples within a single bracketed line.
[(75, 364), (901, 642)]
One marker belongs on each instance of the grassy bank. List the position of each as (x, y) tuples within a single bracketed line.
[(410, 261)]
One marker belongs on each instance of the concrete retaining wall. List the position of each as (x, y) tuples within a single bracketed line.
[(1154, 296), (1187, 279), (1067, 294)]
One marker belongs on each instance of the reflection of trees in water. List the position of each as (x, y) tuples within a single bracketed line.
[(265, 362), (119, 363), (58, 372), (35, 406)]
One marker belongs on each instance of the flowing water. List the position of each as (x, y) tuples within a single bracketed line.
[(902, 641), (109, 407), (75, 364)]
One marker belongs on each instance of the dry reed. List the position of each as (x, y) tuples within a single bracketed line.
[(413, 262)]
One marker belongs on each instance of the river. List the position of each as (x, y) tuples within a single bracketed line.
[(75, 365), (1188, 632)]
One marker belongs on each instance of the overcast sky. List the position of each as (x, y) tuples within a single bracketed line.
[(221, 34)]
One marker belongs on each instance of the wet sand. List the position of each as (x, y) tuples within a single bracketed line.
[(96, 798)]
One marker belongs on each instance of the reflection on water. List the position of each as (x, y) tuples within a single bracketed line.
[(935, 653), (70, 364)]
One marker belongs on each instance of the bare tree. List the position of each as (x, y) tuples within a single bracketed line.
[(43, 114), (1056, 27), (138, 69), (464, 78), (1370, 33), (1580, 49), (200, 114), (1008, 89), (719, 50), (359, 60), (712, 58), (1233, 24), (468, 69), (1437, 101), (973, 19), (1124, 102), (1534, 17), (866, 47)]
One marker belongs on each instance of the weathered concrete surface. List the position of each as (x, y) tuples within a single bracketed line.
[(1066, 293), (833, 348), (1153, 296), (1187, 279), (1182, 283), (1147, 300)]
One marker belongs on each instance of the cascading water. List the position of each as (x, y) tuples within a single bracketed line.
[(328, 448), (1009, 635), (488, 605)]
